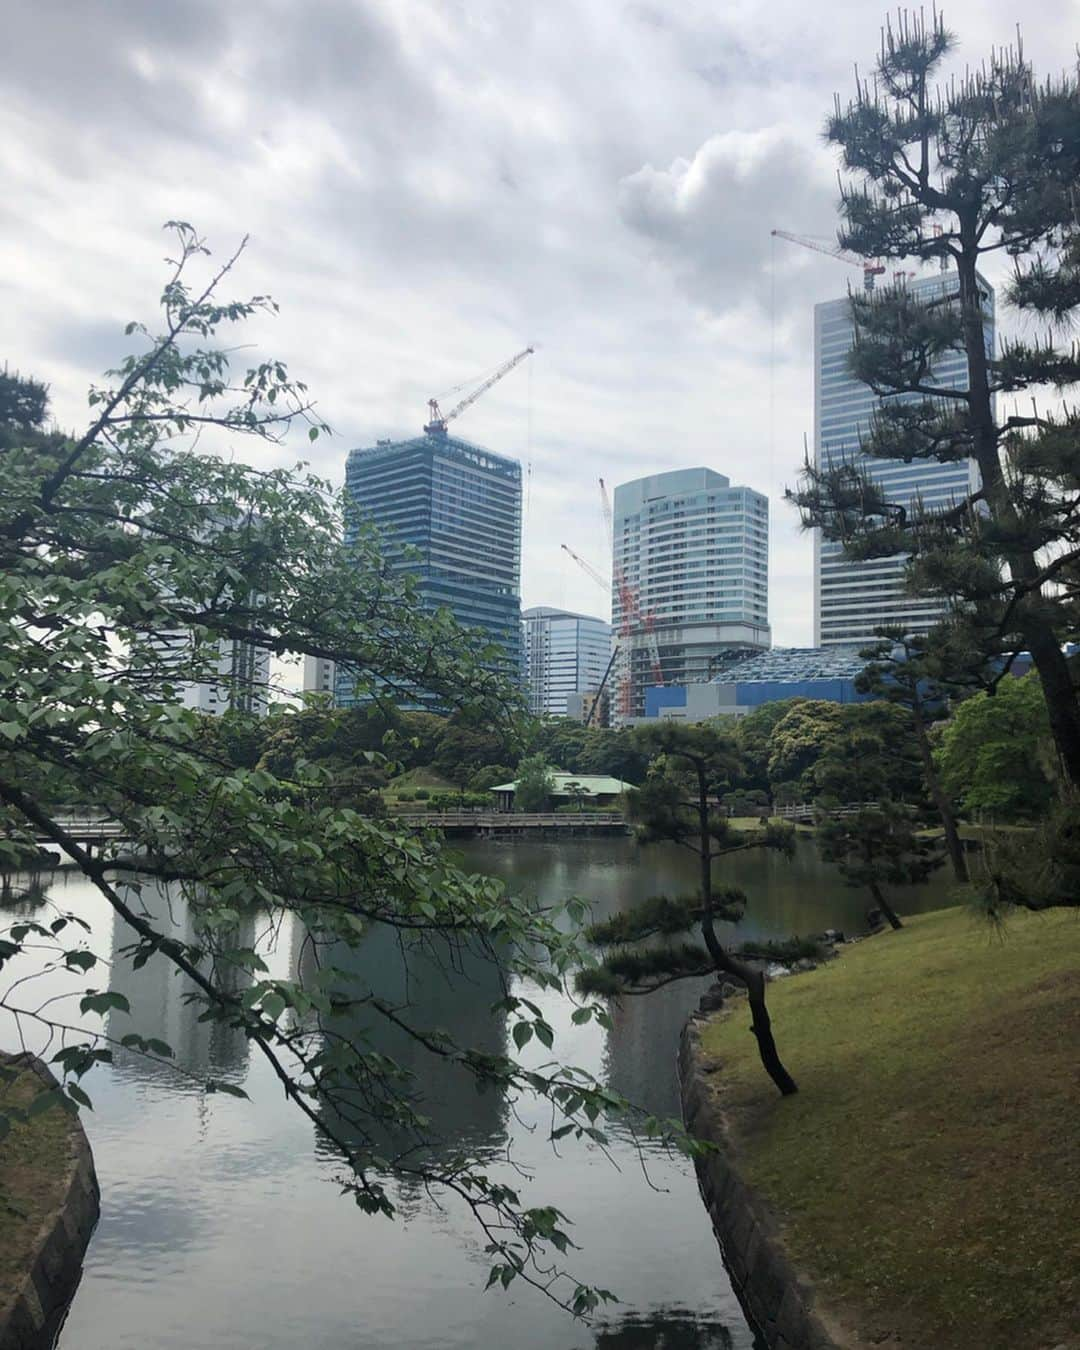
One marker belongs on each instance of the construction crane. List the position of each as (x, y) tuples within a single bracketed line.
[(437, 419), (631, 620), (870, 267), (629, 599)]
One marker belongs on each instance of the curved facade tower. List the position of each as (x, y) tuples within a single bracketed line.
[(694, 551)]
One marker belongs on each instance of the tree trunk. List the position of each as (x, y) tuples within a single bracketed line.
[(1060, 693), (760, 1022), (884, 906), (953, 843)]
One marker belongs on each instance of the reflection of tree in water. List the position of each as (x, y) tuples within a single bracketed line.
[(23, 892), (157, 994), (431, 987), (663, 1329)]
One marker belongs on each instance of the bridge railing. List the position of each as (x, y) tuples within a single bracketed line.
[(509, 819), (807, 810)]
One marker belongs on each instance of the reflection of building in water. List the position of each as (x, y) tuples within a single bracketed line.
[(157, 994), (663, 1327), (434, 989), (643, 1044)]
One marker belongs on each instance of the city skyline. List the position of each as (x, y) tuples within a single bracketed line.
[(620, 225)]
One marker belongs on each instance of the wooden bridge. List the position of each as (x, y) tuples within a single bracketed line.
[(493, 824), (91, 830)]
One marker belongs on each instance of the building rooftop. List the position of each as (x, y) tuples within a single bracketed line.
[(439, 443), (795, 663), (547, 612)]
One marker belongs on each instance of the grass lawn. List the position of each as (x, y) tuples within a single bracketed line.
[(418, 778), (32, 1180), (927, 1175)]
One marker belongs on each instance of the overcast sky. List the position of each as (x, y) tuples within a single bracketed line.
[(431, 186)]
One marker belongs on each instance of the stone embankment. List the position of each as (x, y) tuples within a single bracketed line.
[(32, 1309), (776, 1298)]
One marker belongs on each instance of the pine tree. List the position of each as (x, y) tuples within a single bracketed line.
[(909, 671), (986, 164), (692, 767), (863, 824)]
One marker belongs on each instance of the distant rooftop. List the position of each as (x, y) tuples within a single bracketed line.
[(795, 663), (592, 785), (547, 612), (438, 442)]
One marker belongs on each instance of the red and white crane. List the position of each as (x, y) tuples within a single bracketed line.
[(871, 268), (632, 622)]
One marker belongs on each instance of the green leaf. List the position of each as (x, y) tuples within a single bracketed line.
[(75, 1092), (580, 1016), (104, 1002), (544, 1034), (230, 1089), (522, 1034)]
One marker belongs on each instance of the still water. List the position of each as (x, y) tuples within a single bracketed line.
[(221, 1222)]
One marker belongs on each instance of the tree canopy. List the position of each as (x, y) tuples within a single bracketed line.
[(996, 754)]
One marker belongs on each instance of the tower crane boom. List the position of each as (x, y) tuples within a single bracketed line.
[(437, 419), (589, 569), (870, 267)]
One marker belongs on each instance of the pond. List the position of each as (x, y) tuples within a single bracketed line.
[(221, 1221)]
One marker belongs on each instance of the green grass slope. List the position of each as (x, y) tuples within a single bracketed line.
[(926, 1177)]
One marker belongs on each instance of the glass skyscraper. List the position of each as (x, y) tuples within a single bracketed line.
[(458, 507), (565, 654), (696, 551), (851, 599)]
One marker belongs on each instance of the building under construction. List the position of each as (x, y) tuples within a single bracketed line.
[(449, 513)]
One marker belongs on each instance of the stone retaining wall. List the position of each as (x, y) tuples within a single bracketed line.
[(33, 1319), (776, 1299)]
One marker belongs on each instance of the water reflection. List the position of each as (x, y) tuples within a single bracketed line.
[(664, 1329), (431, 987), (221, 1224), (162, 1002)]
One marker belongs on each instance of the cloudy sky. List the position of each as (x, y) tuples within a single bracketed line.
[(430, 185)]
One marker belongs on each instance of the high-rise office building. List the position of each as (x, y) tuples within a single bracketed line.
[(319, 675), (236, 674), (695, 550), (457, 509), (565, 654), (851, 599)]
